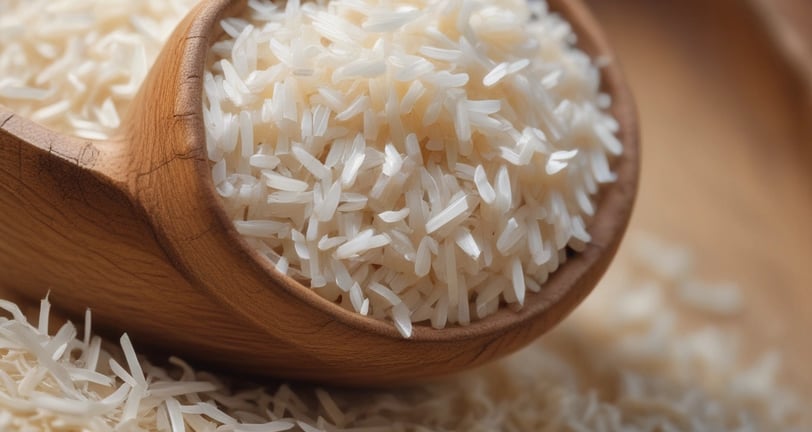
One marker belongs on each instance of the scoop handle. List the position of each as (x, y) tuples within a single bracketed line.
[(21, 138), (56, 207), (61, 208), (44, 174), (70, 227)]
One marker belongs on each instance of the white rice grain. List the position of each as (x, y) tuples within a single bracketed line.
[(454, 210)]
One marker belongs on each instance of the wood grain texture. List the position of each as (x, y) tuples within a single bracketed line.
[(133, 228), (727, 164)]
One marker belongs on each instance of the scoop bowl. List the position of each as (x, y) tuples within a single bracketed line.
[(132, 227)]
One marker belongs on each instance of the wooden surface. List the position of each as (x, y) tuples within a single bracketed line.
[(727, 151), (133, 229)]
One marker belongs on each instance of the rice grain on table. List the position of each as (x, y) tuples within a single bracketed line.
[(624, 361), (446, 152)]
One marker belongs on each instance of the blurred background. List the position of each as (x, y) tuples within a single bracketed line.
[(724, 91)]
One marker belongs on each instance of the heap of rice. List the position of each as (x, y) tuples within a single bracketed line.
[(623, 362), (421, 160), (74, 65)]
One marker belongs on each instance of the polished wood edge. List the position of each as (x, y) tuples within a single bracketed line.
[(82, 153)]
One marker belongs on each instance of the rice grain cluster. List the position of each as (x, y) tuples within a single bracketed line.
[(74, 65), (416, 160)]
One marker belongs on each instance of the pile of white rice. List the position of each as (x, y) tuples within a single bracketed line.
[(74, 65), (415, 160), (623, 362)]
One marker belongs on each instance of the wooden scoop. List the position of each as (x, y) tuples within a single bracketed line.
[(133, 229)]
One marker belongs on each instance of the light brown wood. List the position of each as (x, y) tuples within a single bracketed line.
[(133, 229), (727, 164)]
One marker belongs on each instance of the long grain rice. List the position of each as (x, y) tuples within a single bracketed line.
[(74, 65), (407, 138)]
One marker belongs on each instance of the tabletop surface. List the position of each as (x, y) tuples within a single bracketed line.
[(727, 153)]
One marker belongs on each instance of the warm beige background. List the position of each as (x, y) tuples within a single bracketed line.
[(727, 150)]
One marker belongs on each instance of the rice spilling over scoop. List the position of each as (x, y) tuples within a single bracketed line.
[(74, 65), (416, 161)]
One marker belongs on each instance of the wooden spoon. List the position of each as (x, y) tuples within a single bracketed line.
[(133, 228)]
